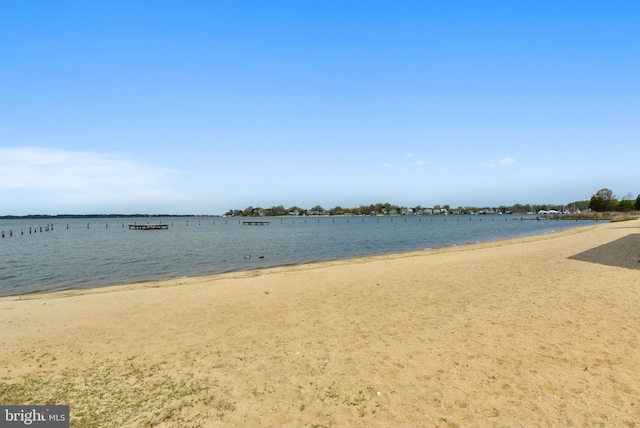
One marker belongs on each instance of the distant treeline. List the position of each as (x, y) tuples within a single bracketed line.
[(390, 209)]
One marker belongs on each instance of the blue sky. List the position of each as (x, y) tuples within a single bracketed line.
[(201, 106)]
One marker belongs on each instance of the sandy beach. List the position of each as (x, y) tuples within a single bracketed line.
[(537, 331)]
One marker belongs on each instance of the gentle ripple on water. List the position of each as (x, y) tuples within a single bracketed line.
[(84, 253)]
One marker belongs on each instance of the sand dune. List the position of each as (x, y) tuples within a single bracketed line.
[(538, 331)]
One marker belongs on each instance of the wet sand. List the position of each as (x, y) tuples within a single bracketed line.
[(537, 331)]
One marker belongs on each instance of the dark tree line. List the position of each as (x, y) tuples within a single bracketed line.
[(605, 200), (602, 201)]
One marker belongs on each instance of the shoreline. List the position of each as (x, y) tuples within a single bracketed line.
[(102, 284), (540, 329)]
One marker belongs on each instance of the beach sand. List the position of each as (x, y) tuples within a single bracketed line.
[(537, 331)]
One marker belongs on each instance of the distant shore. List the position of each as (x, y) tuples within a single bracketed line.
[(71, 216), (540, 330)]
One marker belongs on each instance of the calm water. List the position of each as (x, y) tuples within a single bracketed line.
[(85, 253)]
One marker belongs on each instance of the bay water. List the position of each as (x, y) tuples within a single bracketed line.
[(63, 254)]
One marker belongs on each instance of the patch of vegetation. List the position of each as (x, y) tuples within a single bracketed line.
[(121, 393)]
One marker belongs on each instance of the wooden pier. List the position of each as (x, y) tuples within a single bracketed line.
[(148, 226), (255, 223)]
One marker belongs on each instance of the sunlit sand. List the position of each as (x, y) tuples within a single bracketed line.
[(538, 331)]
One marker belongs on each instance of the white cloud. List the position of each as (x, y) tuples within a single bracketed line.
[(503, 161), (387, 165), (507, 161), (409, 155), (83, 176), (419, 163)]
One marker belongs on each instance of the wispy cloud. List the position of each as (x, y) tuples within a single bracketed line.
[(507, 161), (406, 163), (501, 162), (80, 175)]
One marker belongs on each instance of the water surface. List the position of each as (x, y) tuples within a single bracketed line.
[(85, 253)]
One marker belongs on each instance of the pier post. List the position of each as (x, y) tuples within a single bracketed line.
[(11, 232), (3, 233)]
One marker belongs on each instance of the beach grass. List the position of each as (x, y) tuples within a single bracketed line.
[(122, 393)]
